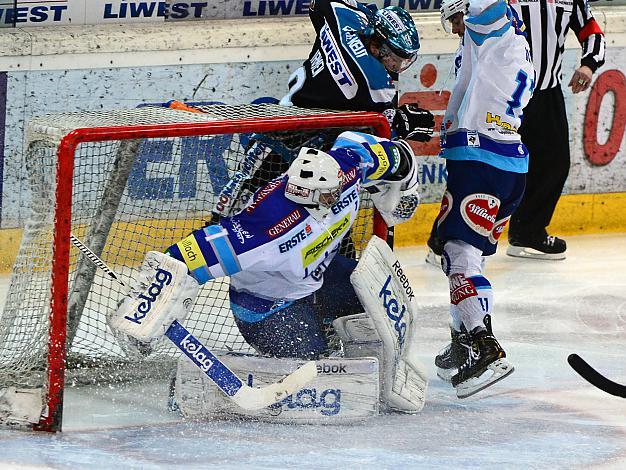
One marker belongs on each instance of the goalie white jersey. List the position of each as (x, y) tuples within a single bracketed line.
[(274, 248), (494, 84)]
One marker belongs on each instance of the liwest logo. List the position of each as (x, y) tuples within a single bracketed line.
[(197, 353), (32, 14), (395, 312), (338, 69), (329, 401), (162, 279), (175, 11)]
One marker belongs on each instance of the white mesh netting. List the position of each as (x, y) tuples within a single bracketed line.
[(129, 197)]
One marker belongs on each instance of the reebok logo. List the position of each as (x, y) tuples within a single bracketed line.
[(331, 369), (404, 281), (163, 278)]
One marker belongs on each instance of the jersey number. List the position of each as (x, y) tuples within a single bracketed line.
[(516, 98)]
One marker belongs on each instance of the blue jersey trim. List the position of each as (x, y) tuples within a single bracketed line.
[(513, 150), (480, 282), (515, 165), (202, 274), (492, 14), (479, 38), (252, 309), (223, 250)]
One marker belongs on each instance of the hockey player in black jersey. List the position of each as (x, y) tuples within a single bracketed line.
[(355, 62)]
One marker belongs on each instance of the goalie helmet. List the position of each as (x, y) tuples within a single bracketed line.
[(396, 29), (449, 8), (314, 180)]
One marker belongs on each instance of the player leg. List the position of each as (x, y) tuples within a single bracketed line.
[(452, 355), (336, 298), (473, 212), (279, 328)]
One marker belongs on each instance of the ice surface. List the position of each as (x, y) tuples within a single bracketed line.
[(542, 416)]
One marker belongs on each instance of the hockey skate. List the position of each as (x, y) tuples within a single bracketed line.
[(435, 250), (549, 248), (453, 355), (485, 365)]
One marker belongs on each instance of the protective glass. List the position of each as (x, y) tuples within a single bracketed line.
[(393, 62)]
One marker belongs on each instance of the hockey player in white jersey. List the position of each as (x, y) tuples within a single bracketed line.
[(282, 255), (486, 163)]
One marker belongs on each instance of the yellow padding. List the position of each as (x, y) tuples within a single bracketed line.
[(576, 214)]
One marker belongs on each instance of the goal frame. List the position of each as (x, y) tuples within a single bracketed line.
[(51, 420)]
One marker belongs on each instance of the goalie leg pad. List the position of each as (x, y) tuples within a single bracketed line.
[(387, 297), (162, 292), (345, 390)]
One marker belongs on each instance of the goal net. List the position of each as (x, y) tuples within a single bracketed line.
[(126, 182)]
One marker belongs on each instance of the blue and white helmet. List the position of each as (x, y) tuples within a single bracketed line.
[(449, 8), (397, 30)]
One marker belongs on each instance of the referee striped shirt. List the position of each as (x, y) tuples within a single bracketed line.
[(547, 22)]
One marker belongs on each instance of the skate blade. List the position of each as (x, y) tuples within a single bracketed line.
[(530, 253), (446, 374), (432, 258), (495, 372)]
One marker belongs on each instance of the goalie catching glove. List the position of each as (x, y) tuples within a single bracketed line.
[(414, 123), (397, 199), (162, 292)]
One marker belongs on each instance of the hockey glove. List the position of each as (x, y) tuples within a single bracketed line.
[(413, 123)]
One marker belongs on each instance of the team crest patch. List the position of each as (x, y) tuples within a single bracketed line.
[(472, 139), (446, 206), (498, 228), (479, 212)]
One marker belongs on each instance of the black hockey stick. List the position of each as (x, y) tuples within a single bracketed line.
[(249, 398), (594, 377)]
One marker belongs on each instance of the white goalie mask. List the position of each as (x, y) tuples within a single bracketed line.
[(449, 8), (314, 180)]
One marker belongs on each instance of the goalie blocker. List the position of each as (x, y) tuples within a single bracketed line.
[(379, 371)]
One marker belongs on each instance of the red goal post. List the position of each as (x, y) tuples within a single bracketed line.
[(130, 129)]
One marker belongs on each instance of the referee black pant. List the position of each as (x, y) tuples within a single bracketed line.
[(545, 133)]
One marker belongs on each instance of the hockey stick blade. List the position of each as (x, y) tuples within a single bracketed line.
[(226, 380), (594, 377), (245, 396)]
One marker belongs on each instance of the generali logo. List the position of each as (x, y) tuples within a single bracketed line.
[(285, 224)]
